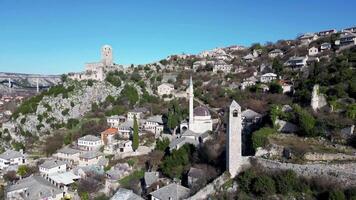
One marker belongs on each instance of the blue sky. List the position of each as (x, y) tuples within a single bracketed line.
[(54, 37)]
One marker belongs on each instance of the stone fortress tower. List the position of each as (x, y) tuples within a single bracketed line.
[(106, 55), (233, 140)]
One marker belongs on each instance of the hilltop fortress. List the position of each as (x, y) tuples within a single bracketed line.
[(97, 70)]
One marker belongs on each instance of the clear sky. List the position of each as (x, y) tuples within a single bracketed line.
[(54, 37)]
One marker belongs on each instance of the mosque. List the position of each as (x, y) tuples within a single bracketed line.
[(199, 118)]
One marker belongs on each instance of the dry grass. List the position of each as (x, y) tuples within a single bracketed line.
[(303, 145)]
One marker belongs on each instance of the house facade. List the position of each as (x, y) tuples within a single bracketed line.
[(11, 158), (89, 143)]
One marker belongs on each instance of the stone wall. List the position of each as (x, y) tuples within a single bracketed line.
[(344, 174)]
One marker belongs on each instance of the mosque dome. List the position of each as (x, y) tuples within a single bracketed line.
[(201, 111)]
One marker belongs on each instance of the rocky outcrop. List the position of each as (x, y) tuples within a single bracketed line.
[(54, 110), (318, 100)]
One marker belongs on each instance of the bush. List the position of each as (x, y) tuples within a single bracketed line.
[(306, 121), (18, 146), (71, 123), (260, 137), (163, 144), (173, 165), (264, 185), (286, 181), (245, 180), (136, 175), (337, 195), (65, 112)]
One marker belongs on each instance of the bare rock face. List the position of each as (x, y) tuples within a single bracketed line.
[(53, 110), (318, 100)]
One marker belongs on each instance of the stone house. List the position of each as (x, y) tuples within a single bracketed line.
[(11, 158), (115, 120), (52, 166), (172, 191), (165, 89), (275, 53), (68, 154), (154, 124), (89, 143), (268, 77)]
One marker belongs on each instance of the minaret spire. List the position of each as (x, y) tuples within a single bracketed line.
[(191, 101)]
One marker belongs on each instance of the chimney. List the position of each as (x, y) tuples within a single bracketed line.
[(157, 187)]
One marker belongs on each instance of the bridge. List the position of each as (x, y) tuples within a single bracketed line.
[(11, 77)]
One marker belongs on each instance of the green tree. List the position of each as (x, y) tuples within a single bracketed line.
[(275, 88), (22, 170), (163, 144), (277, 66), (135, 138), (351, 111), (337, 195)]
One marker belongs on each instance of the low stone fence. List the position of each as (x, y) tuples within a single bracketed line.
[(344, 174), (210, 188)]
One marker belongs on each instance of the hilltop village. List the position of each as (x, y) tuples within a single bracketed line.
[(269, 121)]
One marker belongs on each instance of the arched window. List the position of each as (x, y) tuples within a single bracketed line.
[(235, 113)]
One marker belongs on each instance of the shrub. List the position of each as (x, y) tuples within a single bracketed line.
[(264, 185), (71, 123), (337, 195), (65, 112), (163, 144), (306, 121), (286, 181), (245, 180), (260, 137)]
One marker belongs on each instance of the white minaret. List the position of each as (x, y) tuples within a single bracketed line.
[(106, 55), (233, 142), (191, 101)]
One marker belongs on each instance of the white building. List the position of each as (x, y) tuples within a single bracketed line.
[(125, 129), (165, 89), (89, 143), (34, 187), (52, 166), (11, 158), (326, 32), (221, 65), (297, 63), (268, 77), (275, 53), (199, 118), (306, 38), (325, 46), (115, 120), (90, 158), (154, 124), (313, 51), (138, 112), (67, 154), (346, 39)]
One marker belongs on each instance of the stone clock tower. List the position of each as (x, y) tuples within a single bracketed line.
[(233, 142)]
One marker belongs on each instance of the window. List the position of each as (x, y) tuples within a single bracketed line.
[(235, 113)]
